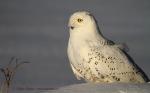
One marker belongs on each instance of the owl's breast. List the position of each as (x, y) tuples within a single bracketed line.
[(77, 51)]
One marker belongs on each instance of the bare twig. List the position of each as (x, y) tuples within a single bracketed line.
[(21, 63), (11, 60), (9, 72)]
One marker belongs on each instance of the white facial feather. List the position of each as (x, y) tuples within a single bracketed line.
[(80, 19), (83, 25)]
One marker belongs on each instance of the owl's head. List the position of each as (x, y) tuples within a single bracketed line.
[(81, 19)]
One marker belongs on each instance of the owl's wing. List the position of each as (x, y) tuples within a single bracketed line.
[(122, 46), (77, 74), (112, 63)]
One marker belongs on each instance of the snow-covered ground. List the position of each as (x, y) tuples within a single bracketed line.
[(104, 88)]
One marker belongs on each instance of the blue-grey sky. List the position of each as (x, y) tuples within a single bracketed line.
[(36, 30)]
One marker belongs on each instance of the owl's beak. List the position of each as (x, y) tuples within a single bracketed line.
[(72, 27)]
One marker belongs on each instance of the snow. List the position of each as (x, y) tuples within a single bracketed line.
[(103, 88)]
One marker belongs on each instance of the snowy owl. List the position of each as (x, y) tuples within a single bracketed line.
[(96, 59)]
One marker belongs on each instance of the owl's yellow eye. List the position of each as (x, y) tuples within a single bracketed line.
[(79, 20)]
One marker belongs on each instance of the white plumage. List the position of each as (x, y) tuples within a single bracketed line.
[(95, 58)]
